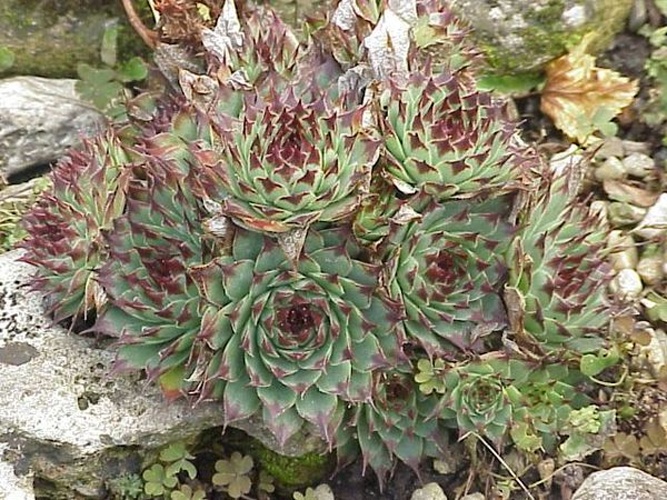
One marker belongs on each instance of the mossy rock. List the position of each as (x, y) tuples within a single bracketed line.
[(50, 37), (521, 36)]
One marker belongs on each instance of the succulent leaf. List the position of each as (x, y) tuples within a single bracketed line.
[(304, 334), (398, 424)]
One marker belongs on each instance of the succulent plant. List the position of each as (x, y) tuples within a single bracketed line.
[(557, 278), (476, 396), (445, 267), (153, 301), (290, 163), (294, 342), (397, 424), (446, 139), (318, 237), (65, 240)]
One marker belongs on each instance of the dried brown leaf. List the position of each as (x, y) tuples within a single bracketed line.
[(621, 446), (576, 92), (622, 191)]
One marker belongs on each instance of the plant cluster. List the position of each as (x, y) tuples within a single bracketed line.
[(103, 86), (174, 475), (313, 233)]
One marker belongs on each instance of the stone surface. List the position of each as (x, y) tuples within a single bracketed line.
[(13, 487), (654, 223), (430, 491), (64, 419), (522, 35), (621, 483), (39, 119)]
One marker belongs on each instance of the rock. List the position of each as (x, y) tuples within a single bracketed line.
[(65, 419), (655, 353), (39, 119), (621, 483), (430, 491), (474, 496), (50, 38), (654, 223), (13, 487), (626, 285), (611, 168), (623, 214), (630, 147), (522, 35), (610, 146), (323, 492), (623, 252), (638, 164), (650, 270)]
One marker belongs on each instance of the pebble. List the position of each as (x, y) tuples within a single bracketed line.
[(623, 251), (323, 492), (630, 147), (611, 169), (650, 270), (430, 491), (638, 165), (474, 496), (626, 285), (623, 214), (656, 352), (612, 146), (654, 223)]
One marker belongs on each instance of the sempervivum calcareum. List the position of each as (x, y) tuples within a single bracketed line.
[(153, 302), (288, 163), (65, 240), (296, 342), (557, 270), (291, 236), (446, 138), (446, 268), (398, 424)]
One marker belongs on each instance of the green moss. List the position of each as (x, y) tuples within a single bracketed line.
[(49, 38), (545, 38), (292, 472)]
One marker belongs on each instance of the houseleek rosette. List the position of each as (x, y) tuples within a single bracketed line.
[(478, 398), (65, 226), (445, 269), (288, 163), (154, 303), (398, 424), (558, 272), (296, 341), (446, 139)]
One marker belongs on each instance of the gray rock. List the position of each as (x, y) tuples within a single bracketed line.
[(621, 483), (654, 223), (39, 119), (430, 491), (474, 496), (63, 417), (639, 164), (13, 487), (611, 168), (522, 35)]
